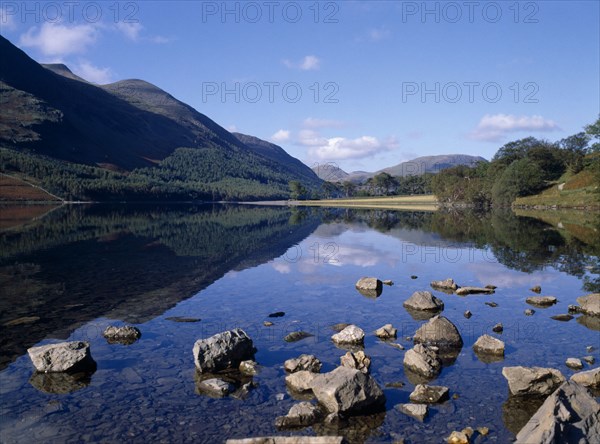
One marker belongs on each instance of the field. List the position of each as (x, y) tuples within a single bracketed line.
[(418, 203)]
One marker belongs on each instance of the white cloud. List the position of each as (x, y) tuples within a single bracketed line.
[(313, 123), (130, 30), (340, 148), (232, 129), (377, 34), (60, 40), (280, 267), (93, 73), (281, 136), (308, 63), (494, 128)]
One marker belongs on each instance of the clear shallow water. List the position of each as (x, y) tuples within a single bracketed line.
[(81, 269)]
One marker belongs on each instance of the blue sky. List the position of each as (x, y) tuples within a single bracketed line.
[(365, 85)]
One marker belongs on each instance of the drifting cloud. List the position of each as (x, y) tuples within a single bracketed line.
[(60, 40), (93, 73), (281, 136), (493, 128), (313, 123), (130, 30), (308, 63), (341, 148)]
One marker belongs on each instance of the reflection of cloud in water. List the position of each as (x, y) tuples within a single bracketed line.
[(281, 267), (231, 274), (487, 271)]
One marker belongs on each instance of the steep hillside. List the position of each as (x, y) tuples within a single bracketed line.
[(431, 164), (330, 172)]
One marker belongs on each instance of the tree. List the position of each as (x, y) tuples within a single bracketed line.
[(593, 130), (297, 190), (349, 188), (384, 182), (522, 177), (574, 149)]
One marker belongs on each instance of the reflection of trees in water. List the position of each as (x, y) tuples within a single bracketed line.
[(520, 243)]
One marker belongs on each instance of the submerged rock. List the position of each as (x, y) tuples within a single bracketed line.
[(590, 304), (491, 304), (487, 344), (358, 361), (339, 327), (386, 332), (60, 383), (349, 335), (223, 351), (388, 282), (303, 414), (590, 378), (529, 312), (423, 360), (417, 411), (126, 335), (215, 387), (277, 314), (423, 300), (562, 317), (369, 286), (542, 301), (439, 331), (64, 357), (429, 394), (297, 336), (183, 319), (303, 362), (447, 284), (532, 380), (570, 414)]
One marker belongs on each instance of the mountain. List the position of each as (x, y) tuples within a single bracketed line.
[(330, 172), (162, 146), (431, 164)]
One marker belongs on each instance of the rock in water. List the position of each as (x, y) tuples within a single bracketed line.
[(590, 304), (277, 314), (122, 335), (447, 284), (64, 357), (417, 411), (542, 301), (223, 351), (349, 335), (463, 291), (467, 314), (487, 344), (297, 336), (300, 381), (529, 312), (498, 328), (215, 387), (303, 414), (429, 394), (423, 361), (347, 391), (537, 289), (386, 332), (249, 367), (369, 286), (562, 317), (439, 331), (358, 361), (303, 362), (457, 437), (290, 440), (574, 363), (532, 380), (570, 414), (388, 282), (423, 300), (590, 378)]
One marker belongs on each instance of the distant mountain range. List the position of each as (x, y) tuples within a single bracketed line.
[(132, 125), (418, 166)]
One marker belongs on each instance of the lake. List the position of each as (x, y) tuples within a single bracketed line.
[(68, 274)]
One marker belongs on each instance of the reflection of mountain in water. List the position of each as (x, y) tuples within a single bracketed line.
[(79, 263)]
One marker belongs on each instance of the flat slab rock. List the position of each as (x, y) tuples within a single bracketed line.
[(463, 291), (290, 440), (223, 351), (570, 414), (541, 301), (64, 357), (303, 414), (215, 387), (429, 394), (589, 378), (439, 331), (590, 304), (423, 300), (532, 380), (417, 411), (447, 284), (349, 335)]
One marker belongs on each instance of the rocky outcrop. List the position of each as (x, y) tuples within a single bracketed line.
[(369, 286), (570, 414), (352, 335), (223, 351), (542, 301), (215, 387), (347, 391), (423, 300), (429, 394), (126, 335), (532, 380), (303, 414), (358, 361), (590, 304), (488, 345), (300, 381), (303, 362), (463, 291), (417, 411), (64, 357), (386, 332), (590, 378), (447, 284), (440, 332), (574, 363), (423, 360)]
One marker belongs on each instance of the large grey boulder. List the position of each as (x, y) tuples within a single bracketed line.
[(369, 286), (423, 360), (223, 351), (440, 332), (423, 300), (125, 335), (590, 378), (300, 381), (386, 332), (541, 301), (488, 345), (64, 357), (352, 335), (303, 362), (570, 414), (357, 360), (447, 284), (532, 380), (347, 391), (417, 411), (590, 304), (303, 414)]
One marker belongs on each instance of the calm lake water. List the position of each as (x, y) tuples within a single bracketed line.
[(76, 270)]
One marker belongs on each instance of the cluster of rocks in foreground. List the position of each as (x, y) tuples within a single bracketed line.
[(568, 412)]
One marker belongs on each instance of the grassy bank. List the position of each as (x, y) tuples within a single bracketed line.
[(418, 203)]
